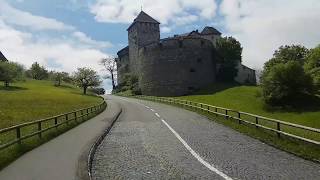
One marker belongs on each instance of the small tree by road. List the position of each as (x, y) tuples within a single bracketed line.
[(10, 71), (86, 77), (110, 66)]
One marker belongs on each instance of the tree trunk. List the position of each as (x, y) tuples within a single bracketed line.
[(6, 83), (112, 79), (85, 90)]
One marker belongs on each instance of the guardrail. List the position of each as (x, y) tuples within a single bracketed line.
[(15, 134), (295, 131)]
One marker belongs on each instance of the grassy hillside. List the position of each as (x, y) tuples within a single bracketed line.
[(32, 100), (248, 99)]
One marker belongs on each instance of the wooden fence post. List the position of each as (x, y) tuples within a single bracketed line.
[(278, 128), (67, 119), (39, 129), (226, 114), (75, 116), (19, 135), (56, 122), (239, 116), (257, 121)]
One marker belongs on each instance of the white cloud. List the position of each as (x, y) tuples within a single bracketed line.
[(21, 18), (165, 29), (165, 11), (66, 52), (83, 38), (264, 25)]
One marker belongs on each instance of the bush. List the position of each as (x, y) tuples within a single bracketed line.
[(98, 91), (129, 83), (10, 72), (285, 83), (312, 65)]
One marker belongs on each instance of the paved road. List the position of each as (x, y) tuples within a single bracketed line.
[(156, 141), (64, 157)]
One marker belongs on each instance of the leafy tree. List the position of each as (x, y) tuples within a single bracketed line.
[(37, 72), (10, 72), (59, 77), (285, 82), (229, 51), (312, 65), (287, 53), (86, 77), (110, 66)]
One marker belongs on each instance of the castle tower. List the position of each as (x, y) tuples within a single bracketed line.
[(144, 30)]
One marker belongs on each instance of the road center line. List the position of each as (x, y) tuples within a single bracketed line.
[(157, 115), (202, 161), (152, 110)]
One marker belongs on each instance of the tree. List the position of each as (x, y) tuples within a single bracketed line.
[(283, 79), (285, 83), (86, 77), (229, 51), (59, 77), (37, 72), (110, 66), (312, 65), (10, 72), (287, 53)]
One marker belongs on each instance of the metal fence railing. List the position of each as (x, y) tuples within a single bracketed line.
[(16, 134), (295, 131)]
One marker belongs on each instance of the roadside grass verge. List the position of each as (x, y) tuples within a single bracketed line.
[(33, 100), (248, 99)]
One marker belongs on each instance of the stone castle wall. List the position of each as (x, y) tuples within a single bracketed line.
[(175, 67)]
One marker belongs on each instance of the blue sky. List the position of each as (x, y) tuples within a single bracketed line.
[(66, 34)]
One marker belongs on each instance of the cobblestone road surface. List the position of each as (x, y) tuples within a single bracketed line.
[(142, 146)]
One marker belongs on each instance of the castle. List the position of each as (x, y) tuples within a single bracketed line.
[(172, 66)]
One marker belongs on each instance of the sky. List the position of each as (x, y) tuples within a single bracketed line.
[(64, 35)]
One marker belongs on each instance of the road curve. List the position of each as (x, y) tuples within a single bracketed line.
[(157, 141)]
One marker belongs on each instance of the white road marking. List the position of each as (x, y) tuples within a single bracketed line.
[(147, 107), (202, 161), (194, 154)]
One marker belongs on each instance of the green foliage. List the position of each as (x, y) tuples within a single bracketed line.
[(287, 53), (129, 83), (10, 72), (229, 51), (59, 77), (37, 72), (286, 83), (312, 65), (86, 77), (284, 80), (98, 91)]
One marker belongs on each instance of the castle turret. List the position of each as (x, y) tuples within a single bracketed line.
[(144, 30)]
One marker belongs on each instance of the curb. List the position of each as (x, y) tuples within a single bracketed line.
[(96, 144)]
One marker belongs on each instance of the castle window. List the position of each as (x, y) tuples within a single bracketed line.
[(192, 70), (199, 60), (180, 44)]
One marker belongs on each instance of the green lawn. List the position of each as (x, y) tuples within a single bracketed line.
[(32, 100), (248, 99)]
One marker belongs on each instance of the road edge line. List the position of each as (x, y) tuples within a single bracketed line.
[(96, 144)]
